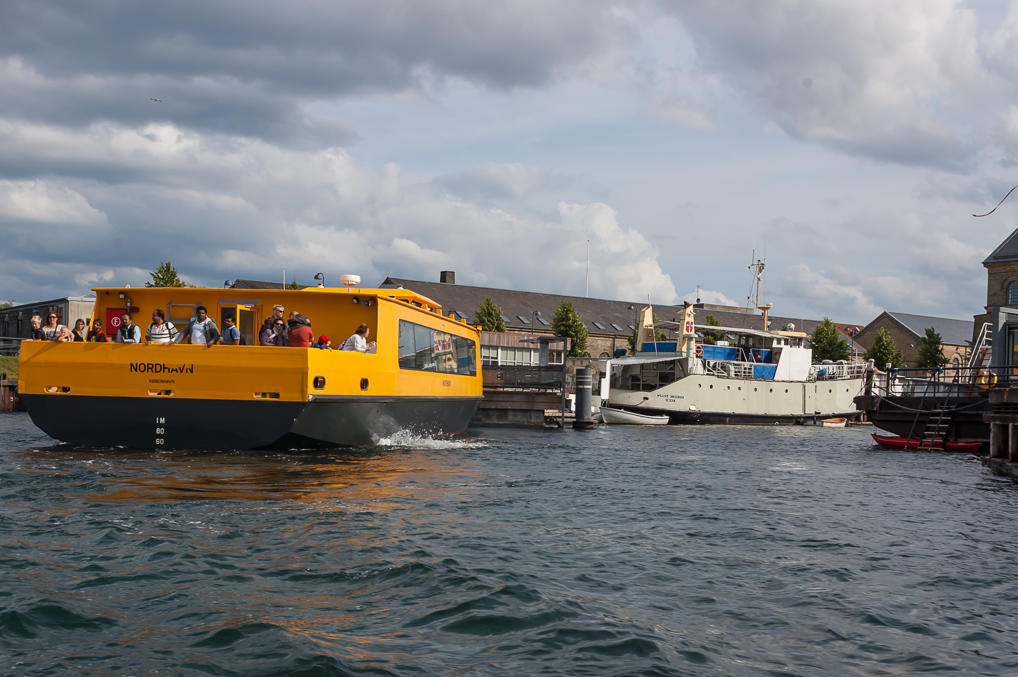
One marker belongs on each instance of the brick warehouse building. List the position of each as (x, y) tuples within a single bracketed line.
[(907, 329)]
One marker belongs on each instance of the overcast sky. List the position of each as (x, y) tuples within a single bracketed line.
[(846, 142)]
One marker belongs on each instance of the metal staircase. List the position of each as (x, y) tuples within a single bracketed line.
[(938, 425), (982, 353), (938, 421)]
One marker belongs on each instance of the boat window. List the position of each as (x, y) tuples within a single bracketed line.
[(426, 349), (179, 314)]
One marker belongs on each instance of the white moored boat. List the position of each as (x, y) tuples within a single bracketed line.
[(756, 376), (626, 417)]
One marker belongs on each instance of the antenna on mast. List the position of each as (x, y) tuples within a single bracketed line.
[(758, 267)]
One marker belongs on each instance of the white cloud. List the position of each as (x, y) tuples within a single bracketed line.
[(710, 296), (838, 295), (41, 201)]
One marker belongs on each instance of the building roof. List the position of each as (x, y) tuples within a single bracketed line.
[(1005, 251), (616, 318), (50, 302), (952, 332), (255, 284)]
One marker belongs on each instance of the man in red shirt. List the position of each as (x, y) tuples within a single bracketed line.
[(299, 333)]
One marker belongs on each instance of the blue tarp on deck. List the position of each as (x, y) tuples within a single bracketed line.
[(719, 352), (662, 347), (764, 370)]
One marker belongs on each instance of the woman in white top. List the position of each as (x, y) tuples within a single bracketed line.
[(54, 331), (358, 341)]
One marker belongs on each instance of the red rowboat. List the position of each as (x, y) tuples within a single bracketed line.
[(913, 443)]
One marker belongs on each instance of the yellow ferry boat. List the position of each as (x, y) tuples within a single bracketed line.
[(423, 376)]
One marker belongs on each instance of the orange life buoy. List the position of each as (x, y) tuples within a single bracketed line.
[(699, 350)]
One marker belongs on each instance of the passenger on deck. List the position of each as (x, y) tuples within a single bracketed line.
[(266, 334), (36, 323), (299, 333), (128, 332), (96, 333), (358, 341), (277, 312), (202, 329), (160, 331), (54, 331), (78, 333), (231, 335), (324, 343)]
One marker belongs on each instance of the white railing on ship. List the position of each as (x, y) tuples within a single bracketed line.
[(744, 370), (726, 369), (837, 372)]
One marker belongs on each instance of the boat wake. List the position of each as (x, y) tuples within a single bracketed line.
[(408, 439)]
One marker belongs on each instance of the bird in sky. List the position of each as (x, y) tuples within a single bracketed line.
[(156, 100)]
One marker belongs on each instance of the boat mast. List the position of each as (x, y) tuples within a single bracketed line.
[(758, 269)]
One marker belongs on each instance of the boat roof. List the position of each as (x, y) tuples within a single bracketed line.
[(400, 294), (644, 358)]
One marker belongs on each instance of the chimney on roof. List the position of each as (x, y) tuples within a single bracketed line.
[(447, 277)]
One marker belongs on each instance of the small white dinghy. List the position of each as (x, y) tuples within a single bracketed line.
[(834, 422), (625, 417)]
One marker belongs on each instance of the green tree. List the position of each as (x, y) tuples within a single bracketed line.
[(931, 351), (292, 284), (567, 322), (6, 304), (165, 276), (827, 342), (711, 339), (884, 351), (489, 316)]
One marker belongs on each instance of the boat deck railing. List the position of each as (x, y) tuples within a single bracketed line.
[(837, 371), (817, 372), (944, 382), (728, 369)]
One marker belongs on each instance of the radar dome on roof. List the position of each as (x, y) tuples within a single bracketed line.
[(350, 280)]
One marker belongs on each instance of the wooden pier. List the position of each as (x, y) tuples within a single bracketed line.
[(9, 394), (521, 396)]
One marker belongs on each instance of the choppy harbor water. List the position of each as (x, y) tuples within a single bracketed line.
[(618, 551)]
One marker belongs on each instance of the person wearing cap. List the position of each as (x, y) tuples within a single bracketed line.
[(324, 343)]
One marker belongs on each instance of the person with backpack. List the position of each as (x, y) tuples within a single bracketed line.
[(160, 331), (231, 335), (128, 331), (299, 333)]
